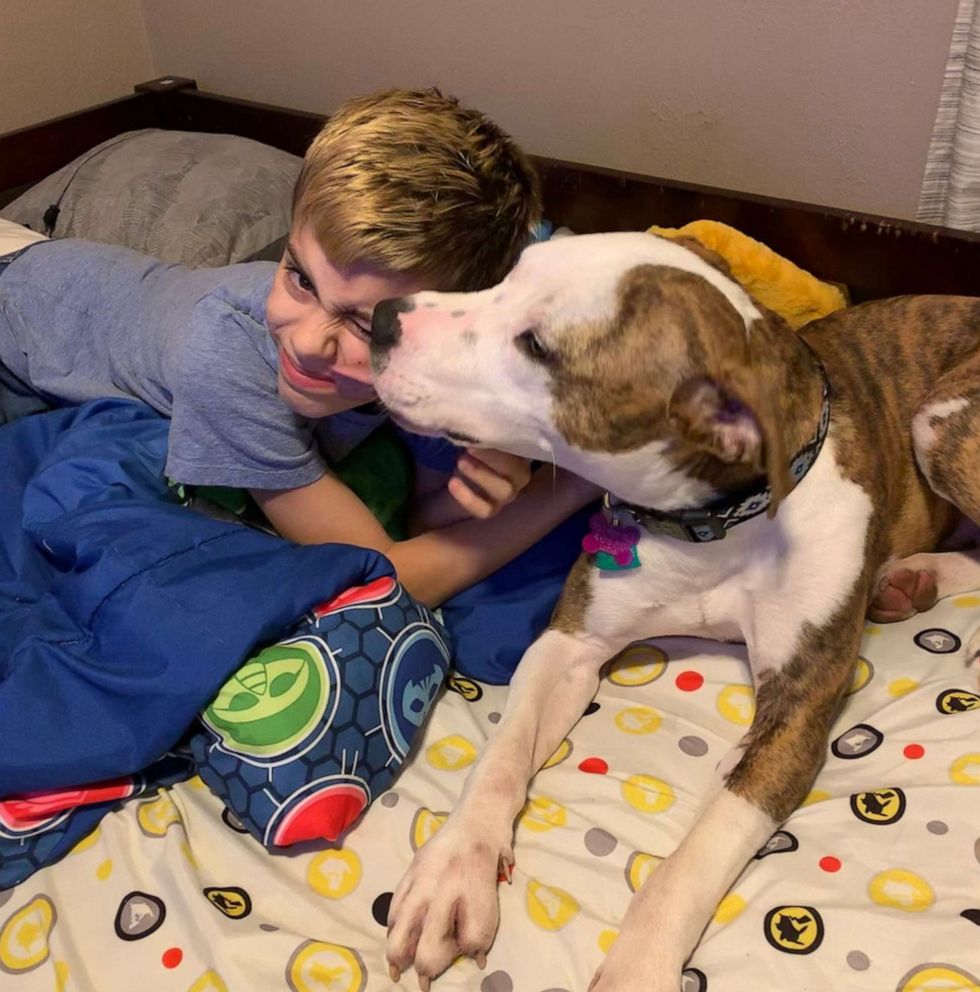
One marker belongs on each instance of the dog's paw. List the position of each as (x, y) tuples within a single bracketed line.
[(446, 905), (902, 592)]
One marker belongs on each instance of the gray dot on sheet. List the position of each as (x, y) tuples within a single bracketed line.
[(494, 717), (600, 842), (937, 827), (457, 313), (5, 894), (268, 927), (390, 799), (497, 981), (976, 849), (858, 960), (694, 746)]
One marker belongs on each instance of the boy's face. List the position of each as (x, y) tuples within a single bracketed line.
[(320, 319)]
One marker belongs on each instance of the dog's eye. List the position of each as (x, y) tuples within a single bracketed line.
[(530, 344)]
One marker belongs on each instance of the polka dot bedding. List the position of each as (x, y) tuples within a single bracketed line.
[(872, 885)]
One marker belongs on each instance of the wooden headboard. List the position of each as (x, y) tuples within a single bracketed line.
[(875, 256)]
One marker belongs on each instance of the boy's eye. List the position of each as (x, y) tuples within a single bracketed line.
[(300, 280), (357, 325)]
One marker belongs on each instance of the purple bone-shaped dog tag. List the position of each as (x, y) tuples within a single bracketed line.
[(613, 544)]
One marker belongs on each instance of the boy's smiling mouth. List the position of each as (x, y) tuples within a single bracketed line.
[(301, 378)]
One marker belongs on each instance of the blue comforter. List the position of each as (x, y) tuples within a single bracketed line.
[(121, 612)]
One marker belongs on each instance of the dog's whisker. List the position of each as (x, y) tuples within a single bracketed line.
[(554, 463)]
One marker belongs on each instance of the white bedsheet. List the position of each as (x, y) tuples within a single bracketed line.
[(896, 894)]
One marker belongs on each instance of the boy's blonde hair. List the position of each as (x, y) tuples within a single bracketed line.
[(412, 183)]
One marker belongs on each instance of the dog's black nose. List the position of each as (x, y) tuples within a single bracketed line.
[(385, 329)]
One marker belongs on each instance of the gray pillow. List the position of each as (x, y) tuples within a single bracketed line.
[(198, 199)]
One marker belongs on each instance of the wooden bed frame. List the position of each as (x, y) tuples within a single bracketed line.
[(875, 256)]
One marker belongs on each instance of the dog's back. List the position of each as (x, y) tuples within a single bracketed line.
[(890, 364)]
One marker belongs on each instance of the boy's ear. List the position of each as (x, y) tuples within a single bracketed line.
[(731, 416)]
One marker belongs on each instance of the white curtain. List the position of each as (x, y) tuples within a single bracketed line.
[(951, 186)]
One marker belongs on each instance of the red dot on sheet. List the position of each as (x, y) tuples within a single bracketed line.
[(172, 957), (594, 766), (830, 863), (689, 681), (914, 751)]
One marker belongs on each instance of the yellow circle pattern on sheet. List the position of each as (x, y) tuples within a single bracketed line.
[(815, 796), (729, 908), (639, 664), (648, 794), (24, 937), (424, 824), (606, 939), (561, 753), (965, 770), (736, 703), (317, 966), (87, 841), (938, 978), (637, 720), (450, 754), (863, 673), (210, 981), (157, 816), (549, 907), (61, 975), (334, 874), (542, 814), (967, 602), (639, 868), (902, 687), (899, 888), (104, 870)]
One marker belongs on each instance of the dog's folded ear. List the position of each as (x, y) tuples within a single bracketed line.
[(731, 416)]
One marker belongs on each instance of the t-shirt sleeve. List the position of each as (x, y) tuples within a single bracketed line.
[(229, 427)]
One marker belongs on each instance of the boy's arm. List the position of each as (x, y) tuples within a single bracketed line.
[(439, 563)]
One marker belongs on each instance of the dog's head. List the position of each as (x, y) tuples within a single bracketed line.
[(627, 358)]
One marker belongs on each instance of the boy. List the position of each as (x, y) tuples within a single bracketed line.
[(265, 371)]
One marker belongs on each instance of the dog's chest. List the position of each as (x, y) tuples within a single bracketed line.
[(760, 584)]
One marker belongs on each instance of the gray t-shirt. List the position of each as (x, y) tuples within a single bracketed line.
[(80, 320)]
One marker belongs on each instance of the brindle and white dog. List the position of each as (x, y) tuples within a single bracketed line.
[(640, 364)]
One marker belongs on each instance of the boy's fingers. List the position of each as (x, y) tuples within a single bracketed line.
[(512, 467), (474, 504), (495, 487)]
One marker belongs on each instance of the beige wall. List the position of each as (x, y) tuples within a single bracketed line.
[(830, 101), (57, 56)]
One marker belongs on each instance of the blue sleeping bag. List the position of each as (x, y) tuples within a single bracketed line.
[(123, 613)]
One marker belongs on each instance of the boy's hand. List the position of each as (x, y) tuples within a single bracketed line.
[(485, 480)]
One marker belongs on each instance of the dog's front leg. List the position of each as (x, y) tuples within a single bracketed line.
[(797, 699), (446, 904)]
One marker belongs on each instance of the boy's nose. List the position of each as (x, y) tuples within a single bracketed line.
[(385, 328)]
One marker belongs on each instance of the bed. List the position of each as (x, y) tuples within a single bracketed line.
[(874, 884)]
